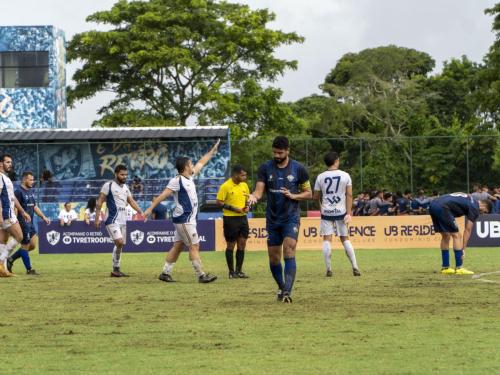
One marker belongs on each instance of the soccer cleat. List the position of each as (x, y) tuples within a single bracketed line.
[(356, 272), (241, 275), (329, 273), (118, 273), (233, 275), (32, 272), (206, 278), (166, 277), (463, 272), (10, 264), (279, 295), (286, 297), (447, 271)]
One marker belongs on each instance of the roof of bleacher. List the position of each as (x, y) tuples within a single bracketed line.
[(114, 133)]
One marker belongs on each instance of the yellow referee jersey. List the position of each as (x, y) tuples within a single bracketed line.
[(233, 195)]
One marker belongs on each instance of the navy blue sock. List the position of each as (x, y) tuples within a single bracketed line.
[(26, 258), (277, 271), (290, 271), (16, 255), (458, 258), (445, 254)]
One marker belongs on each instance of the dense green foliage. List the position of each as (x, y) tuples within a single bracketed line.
[(74, 319)]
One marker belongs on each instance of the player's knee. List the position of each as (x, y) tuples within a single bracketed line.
[(344, 238)]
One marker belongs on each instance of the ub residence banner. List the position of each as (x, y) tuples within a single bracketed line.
[(486, 232), (365, 232), (149, 236)]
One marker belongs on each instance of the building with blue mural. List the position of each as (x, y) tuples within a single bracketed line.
[(32, 77)]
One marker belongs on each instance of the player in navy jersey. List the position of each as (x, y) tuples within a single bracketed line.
[(285, 182), (443, 211), (26, 199)]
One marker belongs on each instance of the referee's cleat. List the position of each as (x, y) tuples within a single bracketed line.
[(286, 297), (241, 275), (117, 273), (447, 271), (233, 275), (206, 278), (10, 264), (329, 273), (463, 272), (356, 272), (166, 277), (32, 272), (279, 295)]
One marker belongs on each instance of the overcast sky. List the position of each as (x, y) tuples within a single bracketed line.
[(442, 28)]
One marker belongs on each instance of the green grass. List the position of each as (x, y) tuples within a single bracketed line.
[(400, 317)]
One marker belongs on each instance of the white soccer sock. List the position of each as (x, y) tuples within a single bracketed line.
[(349, 251), (168, 268), (4, 253), (327, 254), (197, 267), (117, 257), (11, 244)]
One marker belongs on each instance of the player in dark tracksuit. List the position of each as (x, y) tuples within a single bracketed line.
[(443, 211)]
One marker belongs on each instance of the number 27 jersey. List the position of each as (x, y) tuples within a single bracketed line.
[(333, 185)]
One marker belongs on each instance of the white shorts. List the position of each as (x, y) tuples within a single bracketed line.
[(186, 233), (117, 231), (7, 223), (337, 227)]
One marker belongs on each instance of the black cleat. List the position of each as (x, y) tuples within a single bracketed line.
[(356, 272), (286, 297), (32, 272), (241, 275), (118, 273), (166, 277), (329, 273), (233, 275), (279, 295), (206, 278), (10, 264)]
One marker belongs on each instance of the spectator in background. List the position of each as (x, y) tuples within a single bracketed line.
[(159, 212), (435, 195), (375, 203), (420, 205), (387, 207), (360, 203), (90, 210), (403, 203), (46, 176), (67, 215), (496, 204), (137, 187)]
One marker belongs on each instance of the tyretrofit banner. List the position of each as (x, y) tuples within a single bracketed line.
[(486, 232), (365, 232), (149, 236)]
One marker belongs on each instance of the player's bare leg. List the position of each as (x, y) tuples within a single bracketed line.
[(194, 257), (9, 238), (327, 254), (3, 248), (170, 260), (349, 252)]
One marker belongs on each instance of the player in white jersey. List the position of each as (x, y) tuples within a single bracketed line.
[(9, 226), (183, 189), (117, 196), (333, 189)]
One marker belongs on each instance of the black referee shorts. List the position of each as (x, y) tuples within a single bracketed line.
[(235, 227)]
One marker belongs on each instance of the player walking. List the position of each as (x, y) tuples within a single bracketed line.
[(183, 189), (443, 211), (26, 199), (117, 196), (286, 182), (333, 188)]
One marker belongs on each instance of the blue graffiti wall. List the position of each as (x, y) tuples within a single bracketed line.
[(35, 107)]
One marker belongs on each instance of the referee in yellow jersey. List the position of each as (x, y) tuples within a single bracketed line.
[(232, 197)]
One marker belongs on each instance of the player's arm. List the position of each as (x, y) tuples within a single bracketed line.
[(134, 205), (160, 198), (257, 194), (467, 232), (98, 207), (205, 159), (41, 215), (221, 201), (348, 203), (305, 192), (21, 210)]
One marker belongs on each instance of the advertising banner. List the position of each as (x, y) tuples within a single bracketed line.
[(486, 232), (150, 236), (365, 232)]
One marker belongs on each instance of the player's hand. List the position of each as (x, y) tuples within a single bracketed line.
[(287, 193), (27, 217), (245, 209), (251, 199), (347, 219), (47, 220), (146, 214), (463, 254), (97, 223)]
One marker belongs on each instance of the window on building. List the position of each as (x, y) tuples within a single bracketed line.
[(24, 69)]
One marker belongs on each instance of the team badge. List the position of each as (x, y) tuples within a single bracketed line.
[(290, 178), (270, 178), (137, 237), (53, 237)]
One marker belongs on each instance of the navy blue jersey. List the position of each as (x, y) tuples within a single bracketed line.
[(280, 209), (160, 212), (403, 205), (26, 199), (459, 204)]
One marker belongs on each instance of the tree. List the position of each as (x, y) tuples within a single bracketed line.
[(174, 59)]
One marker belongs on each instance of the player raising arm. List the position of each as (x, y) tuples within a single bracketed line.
[(183, 189)]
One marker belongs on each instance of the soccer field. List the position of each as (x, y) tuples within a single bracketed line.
[(400, 317)]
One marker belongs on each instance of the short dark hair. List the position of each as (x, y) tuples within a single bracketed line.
[(27, 173), (237, 169), (3, 156), (65, 204), (488, 204), (330, 158), (181, 163), (120, 167), (407, 191), (281, 142)]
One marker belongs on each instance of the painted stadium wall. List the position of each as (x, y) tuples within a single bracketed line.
[(32, 77)]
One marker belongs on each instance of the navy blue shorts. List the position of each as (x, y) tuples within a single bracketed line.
[(276, 232), (442, 219), (29, 232)]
